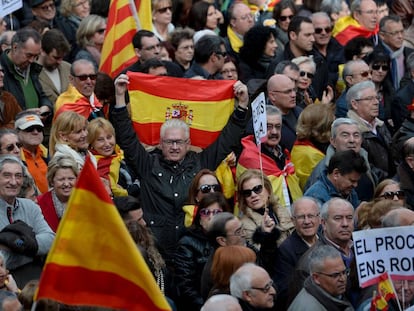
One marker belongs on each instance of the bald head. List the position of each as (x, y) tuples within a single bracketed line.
[(221, 303), (398, 217), (282, 92)]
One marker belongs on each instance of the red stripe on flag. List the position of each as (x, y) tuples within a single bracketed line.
[(123, 41), (73, 286), (121, 13)]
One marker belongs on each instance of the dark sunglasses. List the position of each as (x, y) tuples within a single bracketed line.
[(11, 147), (32, 128), (284, 18), (377, 67), (163, 10), (85, 77), (2, 70), (248, 192), (101, 30), (363, 74), (389, 195), (207, 188), (307, 74), (206, 212), (318, 31), (224, 54)]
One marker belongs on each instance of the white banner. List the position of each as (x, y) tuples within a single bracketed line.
[(384, 249), (9, 6), (259, 118)]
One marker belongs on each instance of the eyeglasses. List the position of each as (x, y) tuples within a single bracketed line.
[(308, 216), (318, 30), (248, 192), (32, 128), (393, 33), (101, 30), (85, 77), (307, 74), (229, 71), (152, 47), (284, 18), (378, 67), (221, 53), (178, 142), (336, 275), (369, 98), (389, 195), (206, 212), (266, 288), (289, 91), (363, 74), (47, 7), (208, 188), (163, 10), (11, 147)]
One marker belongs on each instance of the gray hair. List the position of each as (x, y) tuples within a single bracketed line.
[(349, 65), (305, 198), (273, 110), (303, 60), (341, 121), (175, 124), (80, 62), (355, 91), (332, 202), (220, 302), (241, 280), (7, 131), (61, 162), (281, 66), (7, 158), (318, 256), (321, 15), (331, 6), (355, 6)]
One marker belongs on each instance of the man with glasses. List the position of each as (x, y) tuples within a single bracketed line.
[(363, 107), (324, 289), (80, 96), (34, 155), (44, 11), (253, 287)]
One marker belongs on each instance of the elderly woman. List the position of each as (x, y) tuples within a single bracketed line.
[(182, 41), (161, 18), (90, 38), (305, 94), (61, 174), (229, 71), (9, 142)]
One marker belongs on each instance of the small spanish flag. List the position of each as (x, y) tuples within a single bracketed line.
[(385, 294), (93, 260)]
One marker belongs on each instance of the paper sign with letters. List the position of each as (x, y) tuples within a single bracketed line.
[(259, 118)]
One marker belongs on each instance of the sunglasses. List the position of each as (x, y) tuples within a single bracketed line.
[(207, 188), (101, 30), (206, 212), (163, 10), (11, 147), (284, 18), (363, 74), (248, 192), (389, 195), (318, 31), (85, 77), (224, 54), (377, 67), (30, 129), (307, 74)]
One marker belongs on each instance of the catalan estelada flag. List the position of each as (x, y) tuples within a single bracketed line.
[(205, 105), (124, 20), (347, 28), (93, 260)]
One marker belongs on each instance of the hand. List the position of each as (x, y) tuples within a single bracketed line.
[(328, 95), (241, 93), (11, 284), (121, 86), (268, 224)]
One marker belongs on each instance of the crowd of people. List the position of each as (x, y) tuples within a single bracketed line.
[(276, 234)]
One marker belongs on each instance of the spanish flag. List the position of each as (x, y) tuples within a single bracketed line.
[(385, 294), (93, 260), (123, 23), (347, 28), (205, 105)]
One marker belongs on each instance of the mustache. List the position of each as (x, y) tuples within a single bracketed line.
[(273, 136)]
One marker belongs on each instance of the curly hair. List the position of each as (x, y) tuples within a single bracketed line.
[(255, 42)]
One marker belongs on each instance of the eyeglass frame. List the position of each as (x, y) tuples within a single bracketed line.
[(302, 217), (391, 194), (335, 275), (10, 147), (215, 187), (205, 212), (266, 288)]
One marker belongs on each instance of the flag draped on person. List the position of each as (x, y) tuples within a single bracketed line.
[(93, 260), (125, 17), (347, 28), (385, 293), (205, 105)]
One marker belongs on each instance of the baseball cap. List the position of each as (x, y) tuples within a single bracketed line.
[(27, 121)]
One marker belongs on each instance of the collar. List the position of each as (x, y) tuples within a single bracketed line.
[(339, 248), (4, 204)]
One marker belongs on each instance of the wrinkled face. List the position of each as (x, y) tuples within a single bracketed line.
[(162, 15), (367, 16), (10, 145), (81, 8), (25, 54), (270, 47), (332, 278), (207, 214), (323, 30), (174, 144), (235, 233), (391, 192), (282, 94), (77, 138), (306, 218), (392, 34), (346, 182), (208, 180), (46, 11), (274, 130), (379, 72), (11, 179), (229, 71), (82, 71), (32, 136), (63, 183), (104, 144), (242, 19), (185, 51), (367, 105), (359, 73), (305, 38), (262, 292), (285, 17), (151, 48), (212, 18), (306, 74), (348, 137), (52, 60), (255, 200), (339, 224)]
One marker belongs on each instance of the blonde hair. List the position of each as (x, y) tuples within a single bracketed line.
[(97, 126), (87, 28), (315, 123), (67, 6), (305, 60)]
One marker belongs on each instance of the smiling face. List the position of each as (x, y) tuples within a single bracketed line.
[(63, 183), (270, 47), (174, 144), (212, 18), (274, 130), (11, 179), (104, 144), (82, 68), (77, 139)]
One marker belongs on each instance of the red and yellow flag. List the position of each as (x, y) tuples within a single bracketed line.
[(386, 292), (93, 260), (347, 28), (123, 23), (205, 105)]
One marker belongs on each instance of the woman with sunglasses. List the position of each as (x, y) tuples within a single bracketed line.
[(260, 207), (193, 251), (161, 18), (305, 94), (283, 13), (9, 142)]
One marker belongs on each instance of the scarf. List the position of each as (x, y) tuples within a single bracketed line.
[(235, 40)]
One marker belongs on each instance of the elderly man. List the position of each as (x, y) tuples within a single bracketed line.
[(344, 171), (324, 289), (166, 175), (363, 21), (346, 135), (398, 217), (363, 105), (29, 128), (44, 11), (21, 73), (253, 287), (305, 216), (23, 221), (80, 96), (221, 302)]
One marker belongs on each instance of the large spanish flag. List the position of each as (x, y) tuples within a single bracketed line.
[(347, 28), (93, 260), (123, 23), (205, 105)]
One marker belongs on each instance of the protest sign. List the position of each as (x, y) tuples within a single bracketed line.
[(259, 118)]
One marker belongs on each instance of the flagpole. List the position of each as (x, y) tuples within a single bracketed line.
[(395, 292), (134, 13)]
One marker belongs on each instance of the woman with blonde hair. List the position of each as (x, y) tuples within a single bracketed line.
[(161, 18)]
